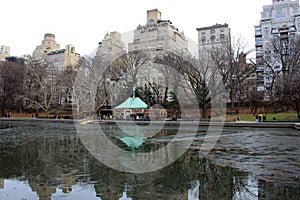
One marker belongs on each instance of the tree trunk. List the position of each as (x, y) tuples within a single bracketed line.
[(166, 96), (3, 105), (231, 99), (47, 113), (204, 110)]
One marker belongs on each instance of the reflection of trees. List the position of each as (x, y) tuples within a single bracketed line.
[(46, 156), (51, 156)]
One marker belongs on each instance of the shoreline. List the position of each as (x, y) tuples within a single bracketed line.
[(249, 124)]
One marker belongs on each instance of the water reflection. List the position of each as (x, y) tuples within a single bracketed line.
[(193, 192), (16, 189), (245, 188), (48, 161)]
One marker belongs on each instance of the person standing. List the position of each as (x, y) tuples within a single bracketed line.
[(256, 117)]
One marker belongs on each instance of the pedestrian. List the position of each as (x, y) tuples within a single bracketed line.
[(256, 117)]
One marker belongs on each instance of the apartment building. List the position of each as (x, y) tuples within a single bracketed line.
[(4, 52), (214, 36), (110, 48), (156, 38), (48, 45), (63, 58), (279, 21)]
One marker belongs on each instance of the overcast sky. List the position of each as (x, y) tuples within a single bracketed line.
[(84, 23)]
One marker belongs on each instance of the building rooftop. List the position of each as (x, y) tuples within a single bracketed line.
[(57, 51), (213, 26), (133, 102)]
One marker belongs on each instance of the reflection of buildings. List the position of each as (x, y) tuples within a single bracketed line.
[(55, 155), (193, 192), (245, 188), (44, 190), (67, 180), (281, 20)]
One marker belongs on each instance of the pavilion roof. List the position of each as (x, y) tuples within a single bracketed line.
[(133, 102)]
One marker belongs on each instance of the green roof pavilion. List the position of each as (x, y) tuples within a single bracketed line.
[(132, 102)]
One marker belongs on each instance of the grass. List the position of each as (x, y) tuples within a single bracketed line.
[(284, 116)]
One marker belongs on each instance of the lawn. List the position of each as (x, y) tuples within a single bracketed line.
[(284, 116)]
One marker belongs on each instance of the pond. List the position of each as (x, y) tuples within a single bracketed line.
[(48, 160)]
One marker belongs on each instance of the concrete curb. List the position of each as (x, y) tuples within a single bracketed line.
[(167, 123)]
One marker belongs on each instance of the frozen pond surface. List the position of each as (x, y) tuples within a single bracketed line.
[(42, 160)]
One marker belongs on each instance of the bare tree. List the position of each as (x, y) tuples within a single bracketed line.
[(64, 86), (286, 58), (90, 88), (39, 92), (286, 54), (131, 65), (126, 71), (11, 84), (230, 60), (197, 77), (145, 93)]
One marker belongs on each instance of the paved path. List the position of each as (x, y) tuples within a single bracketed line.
[(168, 123)]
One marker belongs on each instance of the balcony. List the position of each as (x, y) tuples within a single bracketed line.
[(259, 69), (258, 33), (259, 53), (258, 44)]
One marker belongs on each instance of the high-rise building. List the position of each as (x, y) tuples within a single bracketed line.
[(4, 52), (218, 38), (279, 21), (48, 45), (110, 48), (213, 36), (49, 53), (156, 38), (60, 59)]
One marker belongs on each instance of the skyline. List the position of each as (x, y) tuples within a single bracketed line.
[(84, 25)]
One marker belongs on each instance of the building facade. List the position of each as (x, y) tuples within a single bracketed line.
[(281, 20), (63, 58), (57, 59), (156, 38), (214, 36), (110, 48), (48, 45), (4, 52)]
